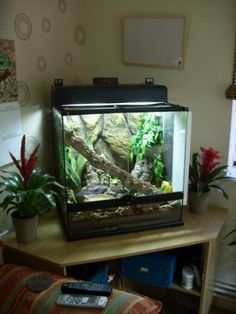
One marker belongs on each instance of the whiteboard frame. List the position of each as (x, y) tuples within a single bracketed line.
[(133, 54)]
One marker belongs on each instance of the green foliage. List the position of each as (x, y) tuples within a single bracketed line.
[(29, 191), (158, 167), (31, 200), (149, 133), (74, 168)]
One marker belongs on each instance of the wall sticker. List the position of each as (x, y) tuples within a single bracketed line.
[(46, 25), (79, 35), (23, 26), (41, 63), (23, 93), (62, 6)]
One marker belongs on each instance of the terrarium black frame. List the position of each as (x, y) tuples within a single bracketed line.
[(143, 205)]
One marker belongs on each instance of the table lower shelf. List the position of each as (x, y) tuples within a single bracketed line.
[(195, 291), (181, 299)]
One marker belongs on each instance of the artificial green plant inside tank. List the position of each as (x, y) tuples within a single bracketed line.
[(149, 134), (28, 191)]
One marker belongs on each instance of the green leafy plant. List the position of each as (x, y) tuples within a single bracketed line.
[(149, 134), (205, 172), (29, 191), (159, 168), (74, 168)]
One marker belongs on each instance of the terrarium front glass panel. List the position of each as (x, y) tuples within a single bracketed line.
[(124, 168), (124, 219)]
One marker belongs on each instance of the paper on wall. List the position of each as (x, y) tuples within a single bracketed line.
[(10, 131)]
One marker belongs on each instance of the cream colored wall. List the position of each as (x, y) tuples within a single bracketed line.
[(200, 86), (50, 31)]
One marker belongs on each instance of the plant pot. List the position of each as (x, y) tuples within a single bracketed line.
[(198, 204), (25, 228)]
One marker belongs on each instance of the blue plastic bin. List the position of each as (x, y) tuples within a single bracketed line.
[(156, 269)]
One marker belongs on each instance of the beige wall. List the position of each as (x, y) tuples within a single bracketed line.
[(200, 86)]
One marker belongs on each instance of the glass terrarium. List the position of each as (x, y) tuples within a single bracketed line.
[(122, 153)]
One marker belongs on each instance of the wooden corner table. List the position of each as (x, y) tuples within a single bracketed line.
[(53, 253)]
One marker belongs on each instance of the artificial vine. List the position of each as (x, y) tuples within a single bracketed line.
[(149, 134)]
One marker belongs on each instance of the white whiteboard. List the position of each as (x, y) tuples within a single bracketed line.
[(154, 41), (10, 131)]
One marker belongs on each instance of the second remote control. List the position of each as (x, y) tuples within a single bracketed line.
[(85, 287)]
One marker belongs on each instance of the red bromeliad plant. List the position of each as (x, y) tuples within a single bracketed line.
[(27, 166), (206, 173), (30, 191)]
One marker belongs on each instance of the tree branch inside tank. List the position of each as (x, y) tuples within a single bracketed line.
[(129, 181)]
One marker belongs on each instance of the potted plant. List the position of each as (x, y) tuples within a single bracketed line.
[(205, 173), (28, 193)]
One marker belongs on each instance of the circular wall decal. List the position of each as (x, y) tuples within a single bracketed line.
[(68, 58), (79, 35), (46, 25), (62, 6), (23, 26), (41, 63), (23, 93)]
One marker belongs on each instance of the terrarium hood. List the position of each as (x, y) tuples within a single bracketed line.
[(122, 154)]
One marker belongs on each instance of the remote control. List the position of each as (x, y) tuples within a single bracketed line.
[(91, 301), (85, 287)]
